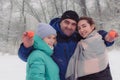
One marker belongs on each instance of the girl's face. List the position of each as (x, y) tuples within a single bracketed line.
[(84, 28), (50, 40)]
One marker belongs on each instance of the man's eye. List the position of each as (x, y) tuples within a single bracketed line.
[(67, 22), (74, 24)]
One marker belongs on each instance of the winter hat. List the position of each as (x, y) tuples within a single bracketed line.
[(45, 30), (70, 15)]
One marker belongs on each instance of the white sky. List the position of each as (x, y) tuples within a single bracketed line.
[(12, 68)]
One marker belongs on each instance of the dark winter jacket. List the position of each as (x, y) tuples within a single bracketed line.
[(63, 50), (102, 75)]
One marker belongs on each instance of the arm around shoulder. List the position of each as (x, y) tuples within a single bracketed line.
[(24, 52)]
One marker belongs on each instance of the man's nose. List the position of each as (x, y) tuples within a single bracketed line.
[(69, 26)]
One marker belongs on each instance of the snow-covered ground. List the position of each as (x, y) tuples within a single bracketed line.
[(12, 68), (114, 59)]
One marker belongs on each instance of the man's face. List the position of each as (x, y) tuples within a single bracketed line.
[(68, 26)]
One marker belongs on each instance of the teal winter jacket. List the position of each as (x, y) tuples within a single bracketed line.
[(40, 65)]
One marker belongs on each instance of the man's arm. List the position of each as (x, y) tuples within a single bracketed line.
[(24, 52), (26, 47), (103, 34)]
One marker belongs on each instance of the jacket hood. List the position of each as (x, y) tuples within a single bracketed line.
[(55, 23), (39, 44)]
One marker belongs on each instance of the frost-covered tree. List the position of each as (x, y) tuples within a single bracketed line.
[(17, 16)]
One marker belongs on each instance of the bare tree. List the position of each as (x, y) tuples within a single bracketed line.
[(9, 22), (98, 7), (66, 4), (54, 3), (43, 11), (82, 4), (18, 14), (30, 10), (23, 14)]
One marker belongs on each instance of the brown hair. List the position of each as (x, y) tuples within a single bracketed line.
[(88, 19)]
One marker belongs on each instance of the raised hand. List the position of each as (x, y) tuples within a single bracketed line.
[(27, 38), (111, 36)]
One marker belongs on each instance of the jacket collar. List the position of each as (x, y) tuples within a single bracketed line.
[(39, 44)]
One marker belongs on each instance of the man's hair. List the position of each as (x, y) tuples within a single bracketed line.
[(69, 14)]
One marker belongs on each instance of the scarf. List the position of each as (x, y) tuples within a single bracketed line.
[(89, 57)]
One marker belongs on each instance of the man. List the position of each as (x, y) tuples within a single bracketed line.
[(67, 38)]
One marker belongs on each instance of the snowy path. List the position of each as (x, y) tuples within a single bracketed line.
[(12, 68)]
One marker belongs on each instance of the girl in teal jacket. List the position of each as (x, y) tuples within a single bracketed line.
[(40, 65)]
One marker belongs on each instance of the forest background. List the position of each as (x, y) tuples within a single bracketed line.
[(18, 16)]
